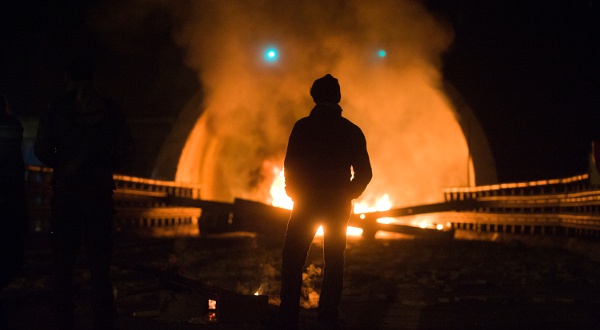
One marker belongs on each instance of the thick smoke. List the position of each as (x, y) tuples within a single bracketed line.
[(250, 104)]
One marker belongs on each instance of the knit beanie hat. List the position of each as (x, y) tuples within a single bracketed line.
[(326, 89)]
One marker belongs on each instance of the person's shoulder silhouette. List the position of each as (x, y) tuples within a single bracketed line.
[(83, 135)]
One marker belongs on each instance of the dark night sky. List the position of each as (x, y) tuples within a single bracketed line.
[(529, 69)]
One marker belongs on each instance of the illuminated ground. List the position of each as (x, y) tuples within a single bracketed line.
[(390, 284)]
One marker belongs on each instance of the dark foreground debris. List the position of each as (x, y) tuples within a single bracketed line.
[(390, 284)]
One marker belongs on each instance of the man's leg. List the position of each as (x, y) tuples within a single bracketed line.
[(334, 244), (65, 238), (99, 243), (300, 232)]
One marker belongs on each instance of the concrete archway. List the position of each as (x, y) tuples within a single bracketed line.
[(480, 153)]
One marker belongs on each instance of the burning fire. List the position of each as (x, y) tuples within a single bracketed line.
[(278, 195), (280, 199), (397, 95), (383, 203)]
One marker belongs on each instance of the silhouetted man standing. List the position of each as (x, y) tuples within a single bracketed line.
[(84, 137), (326, 166)]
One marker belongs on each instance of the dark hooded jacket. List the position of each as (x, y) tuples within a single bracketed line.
[(323, 151), (84, 137)]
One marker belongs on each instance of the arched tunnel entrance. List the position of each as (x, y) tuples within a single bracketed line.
[(256, 65), (421, 139)]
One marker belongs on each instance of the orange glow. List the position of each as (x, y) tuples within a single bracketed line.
[(231, 137), (247, 109), (381, 204), (278, 196), (212, 304), (425, 221), (280, 199), (259, 291)]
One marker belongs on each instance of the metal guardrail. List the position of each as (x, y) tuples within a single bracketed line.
[(569, 206), (142, 206)]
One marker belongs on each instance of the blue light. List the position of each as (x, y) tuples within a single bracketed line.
[(271, 54), (382, 53)]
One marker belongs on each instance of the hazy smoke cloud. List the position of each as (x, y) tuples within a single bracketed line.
[(250, 105)]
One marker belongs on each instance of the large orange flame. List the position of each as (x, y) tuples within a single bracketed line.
[(280, 199)]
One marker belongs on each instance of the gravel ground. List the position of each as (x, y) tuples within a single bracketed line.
[(400, 283)]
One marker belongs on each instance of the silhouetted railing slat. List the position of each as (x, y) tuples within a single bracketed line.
[(142, 206)]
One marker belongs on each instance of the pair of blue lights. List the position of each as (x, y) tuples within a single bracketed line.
[(272, 54)]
